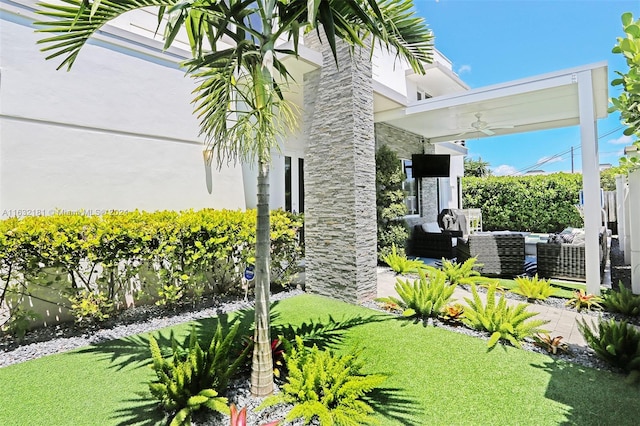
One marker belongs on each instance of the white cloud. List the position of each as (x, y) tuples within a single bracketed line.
[(622, 140), (549, 160), (464, 69), (504, 170)]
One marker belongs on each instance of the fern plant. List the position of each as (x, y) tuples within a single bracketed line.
[(193, 378), (623, 301), (510, 323), (581, 300), (617, 343), (533, 288), (462, 273), (400, 264), (326, 386), (425, 297)]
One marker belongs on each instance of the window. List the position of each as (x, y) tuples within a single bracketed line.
[(301, 184), (294, 184), (287, 184), (410, 188)]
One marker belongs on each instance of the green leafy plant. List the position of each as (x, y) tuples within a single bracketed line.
[(390, 206), (170, 295), (617, 343), (550, 344), (239, 418), (88, 306), (424, 297), (533, 288), (326, 386), (581, 300), (453, 312), (461, 273), (399, 263), (510, 323), (193, 378), (544, 203), (19, 321), (623, 301)]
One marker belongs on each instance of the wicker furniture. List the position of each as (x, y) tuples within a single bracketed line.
[(435, 245), (567, 261), (500, 254)]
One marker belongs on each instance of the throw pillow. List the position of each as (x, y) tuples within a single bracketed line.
[(431, 227)]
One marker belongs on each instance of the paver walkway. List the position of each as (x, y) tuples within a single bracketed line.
[(563, 322)]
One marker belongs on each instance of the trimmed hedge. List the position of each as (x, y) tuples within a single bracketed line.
[(139, 255), (543, 203)]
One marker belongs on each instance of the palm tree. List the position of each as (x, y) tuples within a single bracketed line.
[(241, 79)]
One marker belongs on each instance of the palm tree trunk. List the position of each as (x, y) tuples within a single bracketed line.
[(262, 365)]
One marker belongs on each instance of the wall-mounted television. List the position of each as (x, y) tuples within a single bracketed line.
[(430, 165)]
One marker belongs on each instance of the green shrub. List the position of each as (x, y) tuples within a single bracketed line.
[(193, 378), (623, 301), (89, 307), (399, 263), (19, 321), (533, 288), (581, 300), (425, 297), (511, 323), (390, 205), (326, 386), (161, 255), (543, 203), (617, 343)]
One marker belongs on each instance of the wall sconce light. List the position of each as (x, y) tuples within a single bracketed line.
[(207, 154)]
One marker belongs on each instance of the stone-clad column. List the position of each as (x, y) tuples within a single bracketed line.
[(340, 199)]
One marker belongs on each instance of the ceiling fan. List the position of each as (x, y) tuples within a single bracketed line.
[(483, 126)]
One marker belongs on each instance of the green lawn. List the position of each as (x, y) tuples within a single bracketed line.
[(436, 377)]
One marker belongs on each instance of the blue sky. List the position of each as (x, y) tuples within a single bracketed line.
[(494, 41)]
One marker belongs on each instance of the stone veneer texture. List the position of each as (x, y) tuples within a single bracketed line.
[(340, 199), (405, 143)]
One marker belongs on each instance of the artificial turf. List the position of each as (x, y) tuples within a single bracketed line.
[(434, 376)]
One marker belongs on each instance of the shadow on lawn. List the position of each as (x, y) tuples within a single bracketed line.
[(591, 400), (140, 411), (394, 404), (133, 352)]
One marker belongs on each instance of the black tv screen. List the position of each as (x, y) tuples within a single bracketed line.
[(430, 165)]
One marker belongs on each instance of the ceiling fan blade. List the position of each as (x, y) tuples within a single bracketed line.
[(508, 126), (487, 132)]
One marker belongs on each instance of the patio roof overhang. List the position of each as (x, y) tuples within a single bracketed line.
[(576, 96), (542, 102)]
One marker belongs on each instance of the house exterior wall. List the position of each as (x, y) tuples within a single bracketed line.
[(117, 132)]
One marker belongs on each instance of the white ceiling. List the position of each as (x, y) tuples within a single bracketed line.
[(542, 102)]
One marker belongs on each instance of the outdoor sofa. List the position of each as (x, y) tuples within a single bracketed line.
[(432, 242), (563, 257), (499, 253)]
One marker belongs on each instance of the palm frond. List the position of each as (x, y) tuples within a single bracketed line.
[(75, 23)]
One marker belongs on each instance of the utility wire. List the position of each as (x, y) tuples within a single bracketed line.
[(559, 155)]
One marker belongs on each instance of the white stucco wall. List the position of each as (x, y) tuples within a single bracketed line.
[(117, 132)]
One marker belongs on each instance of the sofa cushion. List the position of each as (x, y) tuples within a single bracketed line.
[(431, 227)]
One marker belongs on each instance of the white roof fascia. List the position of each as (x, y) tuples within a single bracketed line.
[(451, 148)]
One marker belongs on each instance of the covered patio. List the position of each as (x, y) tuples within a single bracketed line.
[(576, 96)]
